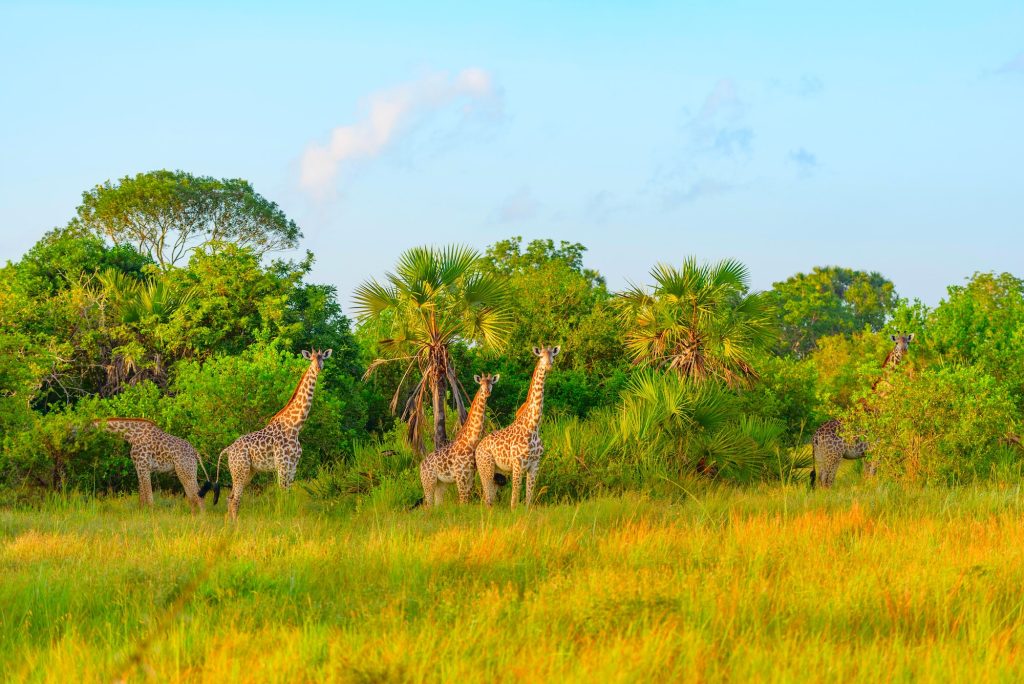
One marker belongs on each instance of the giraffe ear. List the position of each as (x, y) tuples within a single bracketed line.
[(892, 337), (556, 351), (495, 379), (910, 337), (536, 351), (306, 355), (327, 354), (476, 379)]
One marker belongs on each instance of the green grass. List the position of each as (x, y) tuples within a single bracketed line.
[(866, 582)]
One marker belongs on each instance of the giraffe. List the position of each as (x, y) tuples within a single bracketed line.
[(153, 450), (455, 462), (276, 447), (828, 444), (517, 448)]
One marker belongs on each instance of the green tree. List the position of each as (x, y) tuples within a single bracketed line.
[(167, 214), (555, 300), (830, 301), (700, 321), (436, 298)]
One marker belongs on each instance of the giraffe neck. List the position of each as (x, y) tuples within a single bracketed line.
[(891, 361), (295, 412), (469, 434), (529, 413), (129, 428)]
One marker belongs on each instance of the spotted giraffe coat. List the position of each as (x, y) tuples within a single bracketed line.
[(830, 445), (276, 447), (155, 451), (517, 449), (455, 461)]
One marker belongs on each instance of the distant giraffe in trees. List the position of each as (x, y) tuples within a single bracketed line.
[(276, 447), (153, 450), (828, 444), (455, 461), (517, 448)]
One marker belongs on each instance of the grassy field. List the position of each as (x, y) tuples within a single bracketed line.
[(866, 582)]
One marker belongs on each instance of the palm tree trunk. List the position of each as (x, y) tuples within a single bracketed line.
[(440, 429)]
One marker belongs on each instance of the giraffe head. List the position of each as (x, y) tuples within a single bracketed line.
[(547, 355), (317, 357), (902, 341), (487, 382)]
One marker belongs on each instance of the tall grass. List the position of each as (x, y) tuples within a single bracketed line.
[(779, 584)]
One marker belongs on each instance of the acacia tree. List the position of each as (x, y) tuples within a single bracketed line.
[(436, 298), (167, 214), (700, 321)]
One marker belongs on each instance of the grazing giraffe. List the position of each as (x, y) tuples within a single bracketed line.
[(153, 450), (828, 444), (517, 448), (276, 447), (455, 462)]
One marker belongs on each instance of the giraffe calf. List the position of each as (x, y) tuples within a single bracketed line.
[(153, 450), (455, 461)]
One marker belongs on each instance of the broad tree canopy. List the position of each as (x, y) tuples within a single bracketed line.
[(167, 214)]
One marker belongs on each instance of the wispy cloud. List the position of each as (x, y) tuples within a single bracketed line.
[(1012, 66), (387, 115), (808, 85), (806, 162), (519, 206), (717, 142)]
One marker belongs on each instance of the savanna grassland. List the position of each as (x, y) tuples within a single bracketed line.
[(868, 582)]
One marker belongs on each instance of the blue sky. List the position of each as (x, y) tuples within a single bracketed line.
[(803, 134)]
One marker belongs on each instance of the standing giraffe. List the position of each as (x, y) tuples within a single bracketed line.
[(517, 448), (828, 444), (153, 450), (454, 462), (276, 447)]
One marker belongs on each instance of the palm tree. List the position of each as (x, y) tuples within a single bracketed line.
[(700, 321), (436, 297)]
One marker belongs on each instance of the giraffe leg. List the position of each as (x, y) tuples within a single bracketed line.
[(145, 482), (285, 473), (464, 483), (531, 482), (187, 476), (439, 493), (428, 481), (517, 482), (241, 474), (485, 467)]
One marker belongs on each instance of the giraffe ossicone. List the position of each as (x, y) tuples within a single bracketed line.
[(276, 447), (517, 449)]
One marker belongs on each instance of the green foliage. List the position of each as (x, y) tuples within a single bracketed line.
[(436, 299), (982, 324), (830, 301), (700, 427), (166, 214), (553, 300), (787, 391), (700, 321), (946, 425)]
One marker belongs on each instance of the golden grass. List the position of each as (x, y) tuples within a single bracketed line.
[(864, 583)]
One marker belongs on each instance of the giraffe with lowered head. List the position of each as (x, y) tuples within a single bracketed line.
[(154, 450), (517, 448), (455, 462), (828, 444), (276, 447)]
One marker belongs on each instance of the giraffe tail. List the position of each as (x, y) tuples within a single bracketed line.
[(215, 485), (419, 502), (814, 476)]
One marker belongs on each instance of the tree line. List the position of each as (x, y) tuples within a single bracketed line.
[(162, 298)]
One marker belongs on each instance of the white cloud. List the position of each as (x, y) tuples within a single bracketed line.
[(387, 114), (805, 160)]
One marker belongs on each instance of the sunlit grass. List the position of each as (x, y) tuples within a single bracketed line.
[(866, 582)]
